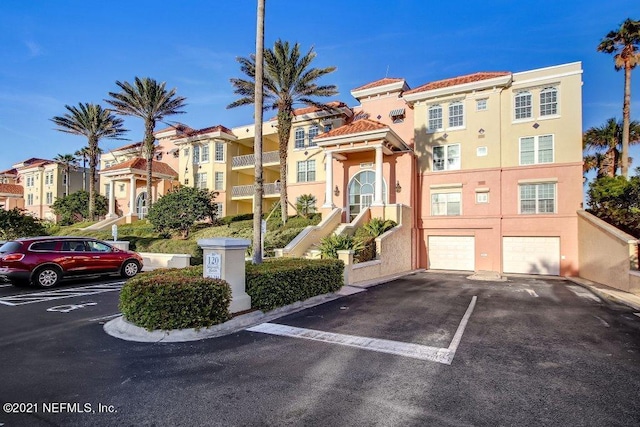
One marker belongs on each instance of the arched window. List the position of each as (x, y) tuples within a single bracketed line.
[(523, 105), (313, 132), (361, 192), (549, 101), (456, 114), (299, 138), (434, 118)]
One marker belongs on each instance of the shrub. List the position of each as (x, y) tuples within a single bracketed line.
[(175, 299), (16, 223), (234, 218), (278, 282), (330, 245), (75, 207), (378, 226)]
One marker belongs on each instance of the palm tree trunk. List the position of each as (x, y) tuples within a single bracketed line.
[(284, 129), (93, 161), (259, 89), (149, 149), (626, 118)]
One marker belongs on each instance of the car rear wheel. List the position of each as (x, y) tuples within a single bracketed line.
[(129, 269), (47, 276)]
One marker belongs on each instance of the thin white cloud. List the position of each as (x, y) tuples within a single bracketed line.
[(34, 48)]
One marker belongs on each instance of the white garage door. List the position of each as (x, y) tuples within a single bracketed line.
[(531, 255), (452, 253)]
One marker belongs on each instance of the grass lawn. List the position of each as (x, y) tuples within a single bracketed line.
[(143, 238)]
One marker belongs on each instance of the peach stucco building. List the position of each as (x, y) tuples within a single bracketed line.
[(484, 170)]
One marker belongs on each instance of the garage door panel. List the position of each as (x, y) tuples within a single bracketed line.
[(531, 255), (452, 253)]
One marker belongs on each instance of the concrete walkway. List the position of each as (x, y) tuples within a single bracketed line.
[(608, 293)]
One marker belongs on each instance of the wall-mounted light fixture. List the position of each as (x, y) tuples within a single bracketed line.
[(398, 187), (336, 191)]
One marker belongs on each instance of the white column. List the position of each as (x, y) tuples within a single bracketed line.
[(328, 189), (112, 199), (377, 192), (132, 195)]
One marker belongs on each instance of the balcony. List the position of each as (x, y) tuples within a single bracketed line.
[(249, 160), (272, 189)]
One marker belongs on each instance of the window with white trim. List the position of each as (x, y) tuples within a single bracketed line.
[(446, 157), (538, 198), (48, 178), (64, 179), (523, 107), (49, 198), (434, 118), (299, 138), (482, 197), (219, 181), (446, 204), (29, 199), (536, 149), (219, 152), (196, 154), (313, 132), (219, 209), (456, 115), (204, 154), (30, 181), (482, 104), (549, 101), (201, 180), (306, 171)]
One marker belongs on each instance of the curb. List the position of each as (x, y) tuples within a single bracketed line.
[(614, 295)]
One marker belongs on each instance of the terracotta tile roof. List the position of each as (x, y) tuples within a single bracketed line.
[(9, 172), (129, 146), (138, 163), (357, 126), (454, 81), (381, 82), (11, 189), (314, 109), (36, 162), (194, 132), (180, 127)]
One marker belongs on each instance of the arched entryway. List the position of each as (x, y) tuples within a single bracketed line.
[(361, 192), (141, 205)]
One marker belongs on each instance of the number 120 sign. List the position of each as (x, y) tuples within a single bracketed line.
[(212, 266)]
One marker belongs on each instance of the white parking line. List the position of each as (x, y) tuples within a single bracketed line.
[(32, 298), (583, 293), (111, 316), (416, 351)]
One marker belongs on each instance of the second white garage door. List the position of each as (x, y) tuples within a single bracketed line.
[(531, 255), (452, 253)]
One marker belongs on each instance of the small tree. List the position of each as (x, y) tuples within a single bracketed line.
[(16, 223), (179, 210), (617, 201), (306, 205), (75, 207)]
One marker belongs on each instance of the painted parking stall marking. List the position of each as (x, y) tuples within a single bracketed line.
[(416, 351), (583, 293), (32, 298)]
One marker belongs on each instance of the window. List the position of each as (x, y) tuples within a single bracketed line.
[(48, 178), (196, 154), (30, 181), (549, 102), (481, 104), (523, 105), (327, 127), (481, 151), (219, 181), (49, 198), (446, 157), (29, 199), (204, 154), (434, 117), (201, 180), (219, 209), (107, 190), (299, 138), (158, 156), (43, 246), (313, 132), (185, 152), (456, 115), (537, 198), (64, 179), (445, 204), (397, 115), (482, 197), (219, 152), (306, 171), (536, 149), (98, 246)]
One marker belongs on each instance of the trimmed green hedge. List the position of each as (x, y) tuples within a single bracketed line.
[(175, 299), (282, 281)]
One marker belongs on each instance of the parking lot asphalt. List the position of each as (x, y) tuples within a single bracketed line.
[(532, 352)]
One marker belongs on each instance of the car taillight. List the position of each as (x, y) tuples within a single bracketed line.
[(13, 257)]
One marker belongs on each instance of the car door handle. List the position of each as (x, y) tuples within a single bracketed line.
[(96, 257)]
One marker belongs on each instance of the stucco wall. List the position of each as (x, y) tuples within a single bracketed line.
[(606, 254)]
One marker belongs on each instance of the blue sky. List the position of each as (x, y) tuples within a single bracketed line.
[(61, 52)]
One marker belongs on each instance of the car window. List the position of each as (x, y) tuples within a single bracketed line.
[(43, 246), (73, 246), (10, 247), (98, 247)]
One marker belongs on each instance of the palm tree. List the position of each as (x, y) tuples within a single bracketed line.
[(94, 122), (84, 154), (624, 43), (151, 101), (258, 177), (606, 141), (288, 79), (67, 161)]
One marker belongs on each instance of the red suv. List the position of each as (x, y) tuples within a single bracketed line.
[(43, 261)]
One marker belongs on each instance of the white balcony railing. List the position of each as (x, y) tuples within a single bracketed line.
[(249, 160), (249, 190)]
